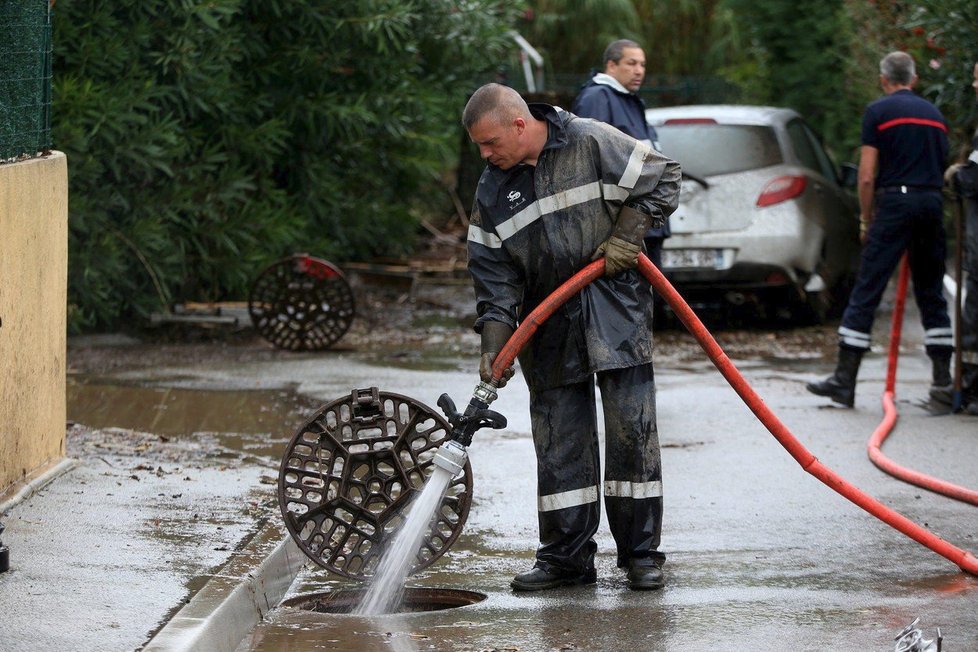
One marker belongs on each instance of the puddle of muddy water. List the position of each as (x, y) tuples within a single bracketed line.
[(255, 422)]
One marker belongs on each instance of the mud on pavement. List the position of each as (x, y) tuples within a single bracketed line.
[(172, 479)]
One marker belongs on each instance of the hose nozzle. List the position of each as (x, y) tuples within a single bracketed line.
[(451, 456), (476, 415)]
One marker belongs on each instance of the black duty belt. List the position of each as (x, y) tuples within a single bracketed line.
[(903, 190)]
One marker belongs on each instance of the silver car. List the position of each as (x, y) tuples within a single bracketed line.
[(764, 216)]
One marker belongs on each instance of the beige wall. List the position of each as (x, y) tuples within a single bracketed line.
[(33, 300)]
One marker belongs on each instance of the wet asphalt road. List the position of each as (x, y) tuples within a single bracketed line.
[(760, 555)]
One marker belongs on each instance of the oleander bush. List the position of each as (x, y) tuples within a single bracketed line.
[(206, 139)]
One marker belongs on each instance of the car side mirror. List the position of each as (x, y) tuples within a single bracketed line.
[(848, 175)]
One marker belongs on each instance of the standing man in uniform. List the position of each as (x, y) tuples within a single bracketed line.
[(901, 166), (612, 96), (963, 179), (558, 192)]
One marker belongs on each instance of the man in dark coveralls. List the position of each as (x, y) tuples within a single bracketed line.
[(559, 191), (901, 170)]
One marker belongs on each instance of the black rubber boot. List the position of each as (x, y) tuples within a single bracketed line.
[(645, 575), (841, 385), (942, 387), (544, 576)]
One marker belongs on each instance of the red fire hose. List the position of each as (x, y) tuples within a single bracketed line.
[(873, 446), (962, 558)]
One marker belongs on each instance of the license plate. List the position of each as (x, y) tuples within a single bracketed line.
[(696, 258)]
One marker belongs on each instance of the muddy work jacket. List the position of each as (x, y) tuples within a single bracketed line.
[(533, 227)]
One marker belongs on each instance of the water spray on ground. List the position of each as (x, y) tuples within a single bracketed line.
[(387, 587)]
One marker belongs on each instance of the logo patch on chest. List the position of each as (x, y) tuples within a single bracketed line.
[(516, 199)]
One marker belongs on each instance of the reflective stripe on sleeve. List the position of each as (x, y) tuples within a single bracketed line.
[(637, 490), (483, 237), (613, 192), (565, 499), (564, 200), (635, 164)]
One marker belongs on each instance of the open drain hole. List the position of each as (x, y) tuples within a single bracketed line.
[(415, 600)]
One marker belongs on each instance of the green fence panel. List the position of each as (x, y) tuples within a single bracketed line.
[(25, 78)]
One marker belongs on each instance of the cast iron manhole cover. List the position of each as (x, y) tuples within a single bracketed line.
[(352, 471)]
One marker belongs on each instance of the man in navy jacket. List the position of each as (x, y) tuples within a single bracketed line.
[(611, 97)]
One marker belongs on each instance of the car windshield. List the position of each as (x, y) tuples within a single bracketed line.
[(706, 149)]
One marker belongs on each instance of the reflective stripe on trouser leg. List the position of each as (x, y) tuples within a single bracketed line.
[(852, 339), (565, 435), (633, 462)]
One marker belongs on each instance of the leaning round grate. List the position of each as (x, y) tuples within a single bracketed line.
[(301, 303), (350, 473)]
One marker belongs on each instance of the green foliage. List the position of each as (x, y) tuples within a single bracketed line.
[(680, 37), (822, 58), (572, 34), (800, 54), (941, 35), (206, 139), (685, 37), (738, 55)]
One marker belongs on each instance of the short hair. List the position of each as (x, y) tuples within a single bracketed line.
[(898, 67), (616, 50), (501, 103)]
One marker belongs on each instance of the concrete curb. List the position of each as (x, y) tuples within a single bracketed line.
[(36, 484), (235, 600)]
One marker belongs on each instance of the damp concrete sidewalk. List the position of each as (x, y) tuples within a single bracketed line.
[(109, 544), (143, 540)]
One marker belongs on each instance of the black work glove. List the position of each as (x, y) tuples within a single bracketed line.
[(621, 250), (494, 335)]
